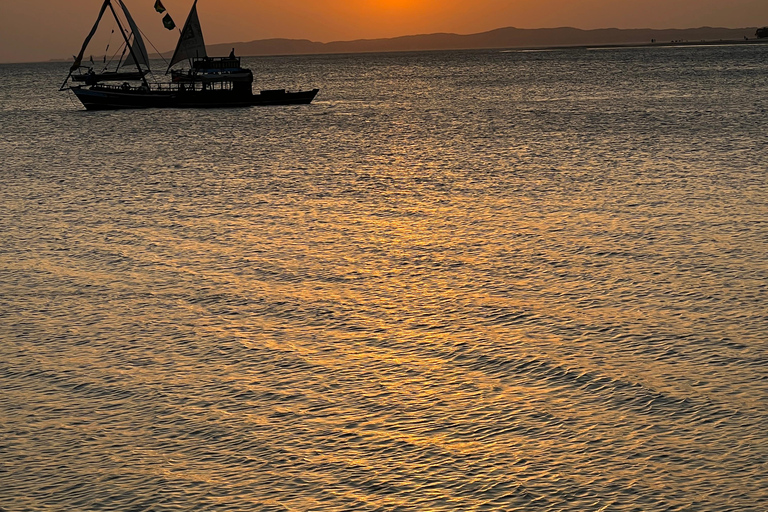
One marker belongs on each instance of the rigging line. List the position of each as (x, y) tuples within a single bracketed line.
[(123, 33), (153, 46), (122, 57), (109, 43), (119, 49), (70, 98)]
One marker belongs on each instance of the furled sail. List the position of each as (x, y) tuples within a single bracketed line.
[(191, 43), (138, 55)]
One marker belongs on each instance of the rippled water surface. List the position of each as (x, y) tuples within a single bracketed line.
[(469, 281)]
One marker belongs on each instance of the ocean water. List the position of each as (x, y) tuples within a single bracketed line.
[(460, 281)]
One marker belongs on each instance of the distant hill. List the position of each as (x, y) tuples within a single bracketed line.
[(500, 38)]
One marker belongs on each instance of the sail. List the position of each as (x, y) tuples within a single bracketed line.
[(191, 43), (137, 52), (138, 55)]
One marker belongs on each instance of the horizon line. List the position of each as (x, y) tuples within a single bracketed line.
[(426, 34)]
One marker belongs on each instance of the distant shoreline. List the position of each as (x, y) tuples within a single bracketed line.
[(733, 42), (509, 38), (669, 44), (503, 38)]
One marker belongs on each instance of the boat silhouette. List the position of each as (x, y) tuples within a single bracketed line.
[(209, 82)]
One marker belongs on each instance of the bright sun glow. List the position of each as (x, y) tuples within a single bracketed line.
[(391, 6)]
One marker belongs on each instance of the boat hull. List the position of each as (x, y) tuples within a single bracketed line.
[(100, 98), (282, 97)]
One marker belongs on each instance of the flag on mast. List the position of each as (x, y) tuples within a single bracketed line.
[(159, 6), (168, 22)]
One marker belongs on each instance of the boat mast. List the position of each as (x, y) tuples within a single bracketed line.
[(126, 38), (127, 42), (79, 58)]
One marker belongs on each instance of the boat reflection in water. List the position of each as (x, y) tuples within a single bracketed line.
[(210, 82)]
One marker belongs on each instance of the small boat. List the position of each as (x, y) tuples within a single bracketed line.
[(210, 82)]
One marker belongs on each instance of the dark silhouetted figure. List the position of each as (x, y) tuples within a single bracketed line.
[(232, 54)]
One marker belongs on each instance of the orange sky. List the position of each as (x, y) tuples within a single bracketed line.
[(33, 30)]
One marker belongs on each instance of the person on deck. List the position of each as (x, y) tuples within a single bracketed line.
[(232, 54)]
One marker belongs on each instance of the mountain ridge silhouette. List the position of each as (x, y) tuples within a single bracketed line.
[(508, 37)]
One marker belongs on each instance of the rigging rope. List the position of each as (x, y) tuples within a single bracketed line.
[(121, 48), (154, 78), (106, 51), (153, 46), (120, 62)]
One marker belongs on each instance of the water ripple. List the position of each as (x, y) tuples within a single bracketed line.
[(548, 296)]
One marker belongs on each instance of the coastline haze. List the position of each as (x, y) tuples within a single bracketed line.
[(41, 30)]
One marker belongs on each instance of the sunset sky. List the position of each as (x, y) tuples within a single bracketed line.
[(33, 30)]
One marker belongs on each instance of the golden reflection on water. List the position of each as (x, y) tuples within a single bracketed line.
[(549, 297)]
